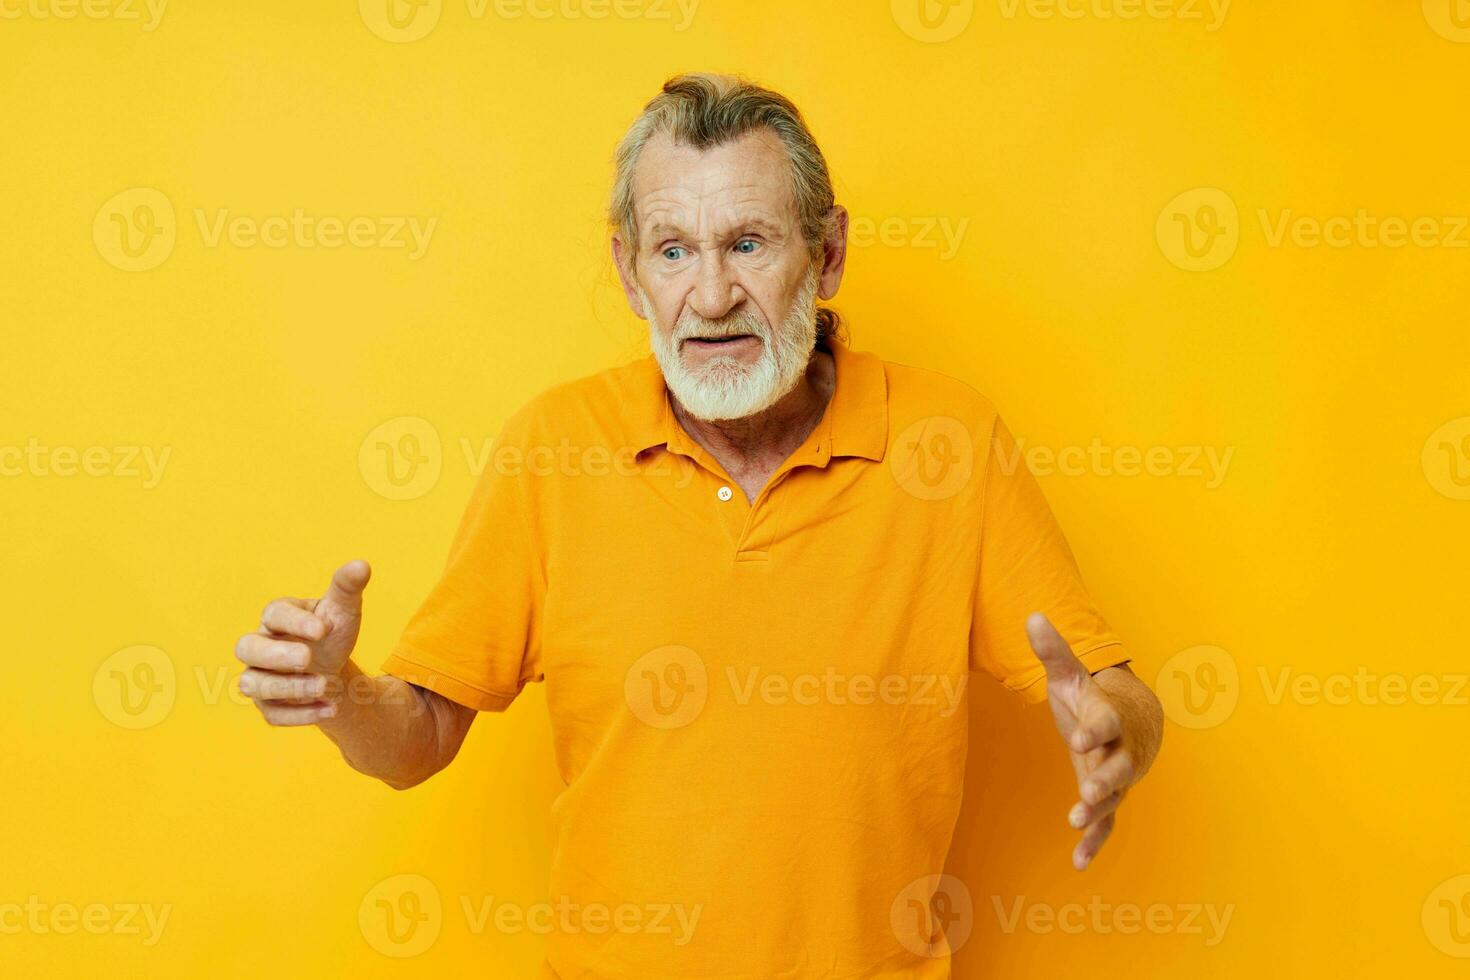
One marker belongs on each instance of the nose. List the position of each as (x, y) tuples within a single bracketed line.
[(715, 292)]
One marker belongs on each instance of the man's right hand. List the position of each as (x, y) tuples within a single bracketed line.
[(294, 661)]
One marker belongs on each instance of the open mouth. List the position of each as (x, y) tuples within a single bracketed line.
[(733, 340)]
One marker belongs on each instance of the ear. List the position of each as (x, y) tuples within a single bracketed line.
[(834, 252), (623, 258)]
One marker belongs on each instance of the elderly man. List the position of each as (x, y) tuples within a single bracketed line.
[(754, 585)]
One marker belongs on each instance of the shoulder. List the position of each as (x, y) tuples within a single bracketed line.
[(917, 393), (590, 409)]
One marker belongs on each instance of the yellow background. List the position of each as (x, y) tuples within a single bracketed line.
[(1335, 541)]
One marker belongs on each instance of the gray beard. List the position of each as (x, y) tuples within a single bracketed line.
[(723, 388)]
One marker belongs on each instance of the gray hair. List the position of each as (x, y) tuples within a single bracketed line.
[(707, 110)]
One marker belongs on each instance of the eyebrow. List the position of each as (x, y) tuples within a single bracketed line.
[(663, 230)]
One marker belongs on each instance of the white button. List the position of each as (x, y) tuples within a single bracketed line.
[(724, 493)]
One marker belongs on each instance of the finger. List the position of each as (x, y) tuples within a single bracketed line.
[(272, 652), (1083, 814), (288, 616), (292, 702), (1052, 650), (1098, 721), (345, 592), (264, 685), (291, 715), (1113, 774), (1092, 842)]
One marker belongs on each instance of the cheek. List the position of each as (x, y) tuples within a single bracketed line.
[(667, 312), (661, 300), (771, 297)]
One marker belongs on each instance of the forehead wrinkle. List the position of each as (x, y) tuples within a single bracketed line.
[(716, 224), (675, 183)]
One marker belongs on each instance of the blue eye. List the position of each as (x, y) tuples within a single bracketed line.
[(669, 253), (742, 249)]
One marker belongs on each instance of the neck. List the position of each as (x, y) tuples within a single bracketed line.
[(775, 432)]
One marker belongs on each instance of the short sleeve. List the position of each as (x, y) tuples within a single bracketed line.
[(1026, 566), (476, 637)]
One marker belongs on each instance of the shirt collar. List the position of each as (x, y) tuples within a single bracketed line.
[(854, 424)]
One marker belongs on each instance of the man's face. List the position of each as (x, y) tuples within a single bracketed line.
[(724, 274)]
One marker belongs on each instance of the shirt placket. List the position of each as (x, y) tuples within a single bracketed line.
[(751, 526)]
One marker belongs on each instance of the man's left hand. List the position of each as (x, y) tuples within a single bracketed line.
[(1095, 724)]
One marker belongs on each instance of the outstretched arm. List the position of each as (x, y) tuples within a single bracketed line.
[(299, 672), (1112, 724)]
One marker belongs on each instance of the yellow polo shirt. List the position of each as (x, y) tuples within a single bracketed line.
[(758, 708)]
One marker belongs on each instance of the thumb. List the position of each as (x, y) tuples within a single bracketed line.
[(1053, 652), (345, 592)]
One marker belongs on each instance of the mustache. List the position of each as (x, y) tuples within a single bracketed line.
[(730, 326)]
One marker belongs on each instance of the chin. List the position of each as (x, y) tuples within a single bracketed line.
[(723, 402), (720, 370), (734, 395)]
